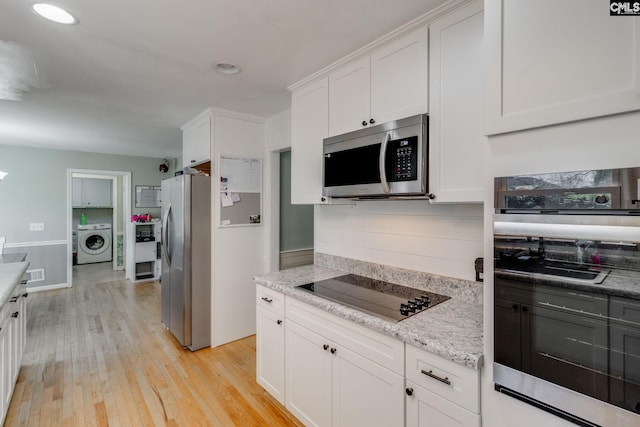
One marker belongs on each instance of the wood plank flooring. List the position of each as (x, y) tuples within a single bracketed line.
[(97, 355)]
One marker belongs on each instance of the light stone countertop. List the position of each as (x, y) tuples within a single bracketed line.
[(10, 276), (452, 329)]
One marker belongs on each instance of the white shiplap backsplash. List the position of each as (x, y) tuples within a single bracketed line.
[(413, 234)]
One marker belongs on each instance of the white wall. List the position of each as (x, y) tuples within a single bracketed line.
[(413, 234), (610, 142), (237, 251)]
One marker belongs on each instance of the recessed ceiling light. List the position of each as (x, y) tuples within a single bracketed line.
[(225, 68), (54, 13)]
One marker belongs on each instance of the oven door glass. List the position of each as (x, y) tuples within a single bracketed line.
[(567, 311)]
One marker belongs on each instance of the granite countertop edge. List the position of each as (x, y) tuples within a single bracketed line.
[(452, 329)]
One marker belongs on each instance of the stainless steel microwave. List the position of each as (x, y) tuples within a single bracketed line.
[(386, 160)]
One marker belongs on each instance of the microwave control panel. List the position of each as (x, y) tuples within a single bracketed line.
[(403, 164)]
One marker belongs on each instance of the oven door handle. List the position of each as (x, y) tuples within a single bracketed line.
[(382, 163)]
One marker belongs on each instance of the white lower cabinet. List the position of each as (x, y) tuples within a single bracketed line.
[(13, 331), (270, 341), (364, 393), (427, 409), (329, 371), (330, 381), (5, 368), (439, 392), (308, 375)]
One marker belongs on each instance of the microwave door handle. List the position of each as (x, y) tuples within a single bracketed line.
[(383, 156)]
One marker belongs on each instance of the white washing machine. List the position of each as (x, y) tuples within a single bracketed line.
[(94, 243)]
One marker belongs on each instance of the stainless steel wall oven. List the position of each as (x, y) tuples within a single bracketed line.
[(567, 294)]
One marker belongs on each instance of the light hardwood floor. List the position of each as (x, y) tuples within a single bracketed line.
[(98, 355)]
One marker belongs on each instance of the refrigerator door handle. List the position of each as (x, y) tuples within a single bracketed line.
[(165, 229)]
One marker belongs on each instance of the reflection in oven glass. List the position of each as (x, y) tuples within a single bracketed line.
[(568, 311)]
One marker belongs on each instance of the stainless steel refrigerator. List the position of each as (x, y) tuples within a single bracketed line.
[(186, 259)]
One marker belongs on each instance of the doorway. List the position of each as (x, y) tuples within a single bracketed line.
[(296, 223), (98, 205)]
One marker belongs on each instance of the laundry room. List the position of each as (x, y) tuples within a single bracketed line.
[(93, 218)]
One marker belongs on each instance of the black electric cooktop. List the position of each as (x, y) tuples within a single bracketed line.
[(383, 299)]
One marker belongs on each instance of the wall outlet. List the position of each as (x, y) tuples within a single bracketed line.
[(36, 226)]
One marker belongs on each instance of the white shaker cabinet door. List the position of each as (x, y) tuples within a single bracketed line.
[(270, 352), (552, 61), (309, 126), (308, 375), (456, 140), (365, 393), (427, 409), (399, 76), (350, 97)]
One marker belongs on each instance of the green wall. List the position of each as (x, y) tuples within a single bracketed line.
[(35, 190), (296, 221)]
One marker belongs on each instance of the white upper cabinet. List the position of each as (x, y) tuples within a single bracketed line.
[(399, 76), (196, 139), (309, 122), (456, 137), (350, 97), (389, 84), (550, 62), (91, 193)]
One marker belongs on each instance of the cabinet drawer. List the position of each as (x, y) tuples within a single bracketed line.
[(379, 348), (434, 372), (270, 300)]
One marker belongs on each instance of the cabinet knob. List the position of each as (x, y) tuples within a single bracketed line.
[(409, 391), (525, 309), (279, 322), (431, 196), (372, 121), (515, 307), (325, 347), (15, 314), (193, 161), (334, 350), (364, 123)]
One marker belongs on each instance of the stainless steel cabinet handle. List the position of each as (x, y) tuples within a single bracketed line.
[(435, 377), (269, 300)]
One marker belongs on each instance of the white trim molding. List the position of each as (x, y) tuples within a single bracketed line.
[(33, 244)]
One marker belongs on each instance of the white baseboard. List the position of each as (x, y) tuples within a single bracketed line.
[(296, 258), (48, 287)]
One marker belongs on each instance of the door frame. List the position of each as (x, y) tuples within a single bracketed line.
[(124, 210)]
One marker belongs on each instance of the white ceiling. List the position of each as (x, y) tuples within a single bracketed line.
[(131, 73)]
